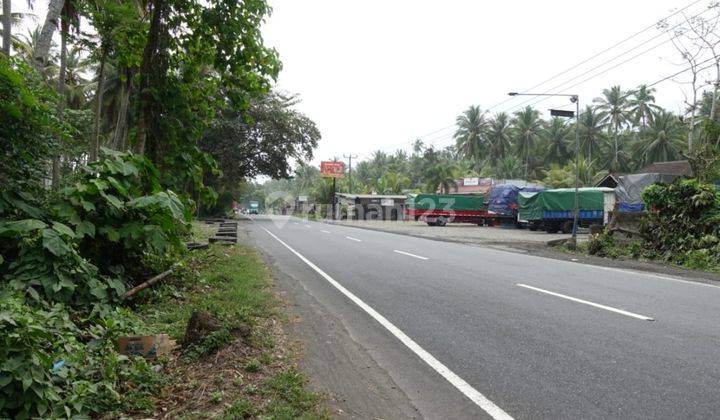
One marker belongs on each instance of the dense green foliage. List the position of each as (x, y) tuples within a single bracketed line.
[(681, 226), (622, 131)]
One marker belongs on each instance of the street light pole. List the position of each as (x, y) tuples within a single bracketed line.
[(576, 211)]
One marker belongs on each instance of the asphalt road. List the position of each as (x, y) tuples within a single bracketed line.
[(471, 332)]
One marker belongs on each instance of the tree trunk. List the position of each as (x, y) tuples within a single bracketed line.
[(121, 124), (95, 141), (7, 26), (713, 107), (145, 97), (61, 99), (45, 40)]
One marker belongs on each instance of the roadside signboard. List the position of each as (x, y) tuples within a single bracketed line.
[(332, 169), (470, 182), (387, 202), (303, 198)]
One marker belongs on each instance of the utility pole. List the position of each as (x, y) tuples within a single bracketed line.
[(350, 157)]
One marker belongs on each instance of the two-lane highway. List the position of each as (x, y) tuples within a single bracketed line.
[(501, 334)]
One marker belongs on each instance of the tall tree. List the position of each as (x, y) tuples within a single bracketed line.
[(42, 49), (499, 137), (527, 127), (663, 138), (591, 131), (641, 104), (557, 136), (471, 133), (613, 104)]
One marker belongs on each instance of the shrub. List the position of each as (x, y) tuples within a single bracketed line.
[(680, 215), (46, 371), (122, 217)]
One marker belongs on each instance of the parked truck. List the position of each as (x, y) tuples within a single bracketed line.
[(553, 210), (503, 202), (440, 209)]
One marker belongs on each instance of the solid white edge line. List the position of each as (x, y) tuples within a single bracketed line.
[(354, 239), (474, 395), (410, 255), (597, 305)]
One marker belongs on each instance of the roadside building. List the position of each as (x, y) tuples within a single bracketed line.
[(610, 180), (678, 168), (371, 206)]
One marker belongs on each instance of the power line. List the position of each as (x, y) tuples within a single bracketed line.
[(569, 69), (607, 62)]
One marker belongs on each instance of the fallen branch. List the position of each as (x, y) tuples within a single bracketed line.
[(146, 284)]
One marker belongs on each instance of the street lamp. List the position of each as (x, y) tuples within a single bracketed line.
[(573, 98)]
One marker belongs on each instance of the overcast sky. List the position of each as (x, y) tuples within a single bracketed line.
[(378, 74)]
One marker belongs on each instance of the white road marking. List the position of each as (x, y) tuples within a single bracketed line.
[(325, 231), (308, 226), (597, 305), (643, 273), (354, 239), (410, 255), (296, 223), (474, 395)]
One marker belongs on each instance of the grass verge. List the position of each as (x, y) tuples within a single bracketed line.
[(246, 369)]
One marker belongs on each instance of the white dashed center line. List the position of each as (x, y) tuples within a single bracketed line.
[(410, 255), (325, 231), (597, 305), (354, 239)]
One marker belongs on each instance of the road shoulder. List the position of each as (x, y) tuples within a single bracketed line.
[(337, 366)]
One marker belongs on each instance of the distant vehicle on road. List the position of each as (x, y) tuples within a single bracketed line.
[(553, 210), (440, 209), (254, 207)]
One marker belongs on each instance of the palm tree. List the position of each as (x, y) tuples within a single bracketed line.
[(591, 131), (509, 167), (527, 128), (471, 133), (614, 104), (499, 137), (11, 20), (662, 140), (441, 176), (641, 105), (557, 134), (418, 146), (393, 183)]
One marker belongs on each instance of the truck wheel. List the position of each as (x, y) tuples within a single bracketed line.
[(432, 223), (552, 227), (441, 221), (567, 226), (533, 226), (482, 222), (519, 225)]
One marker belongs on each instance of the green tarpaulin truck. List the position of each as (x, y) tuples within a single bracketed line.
[(553, 210), (439, 209)]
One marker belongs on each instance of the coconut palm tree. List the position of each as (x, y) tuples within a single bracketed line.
[(614, 105), (662, 140), (499, 137), (509, 167), (557, 134), (441, 176), (11, 20), (641, 104), (527, 126), (592, 134), (471, 132)]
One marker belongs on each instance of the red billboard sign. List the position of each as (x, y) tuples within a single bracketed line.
[(332, 169)]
